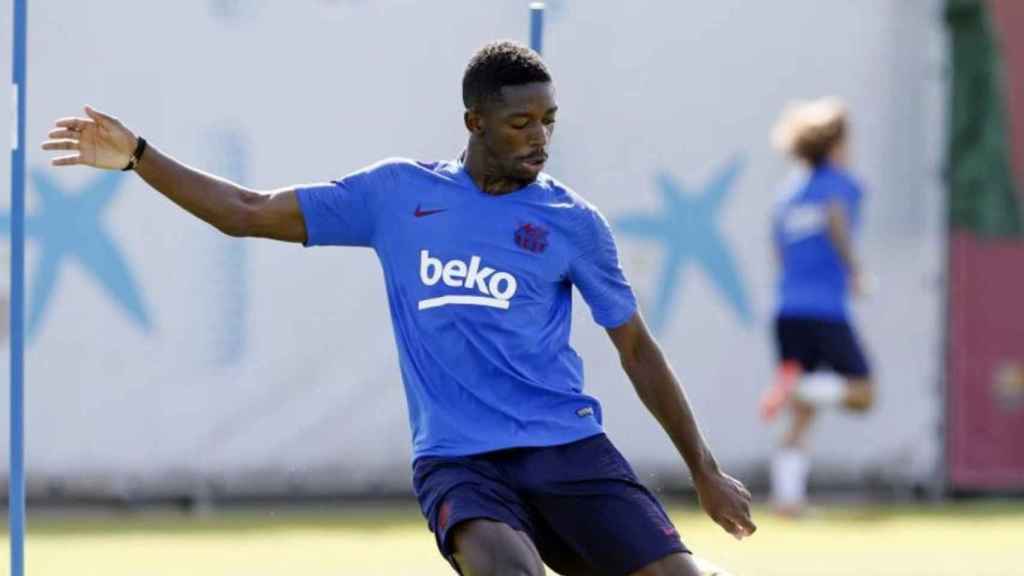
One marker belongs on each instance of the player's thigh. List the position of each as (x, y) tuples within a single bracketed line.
[(596, 505), (796, 341), (558, 554), (679, 564), (619, 528), (488, 548), (860, 395), (841, 350), (471, 496)]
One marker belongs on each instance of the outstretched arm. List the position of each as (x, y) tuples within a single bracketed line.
[(102, 141), (724, 498)]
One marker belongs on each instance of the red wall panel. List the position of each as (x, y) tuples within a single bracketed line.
[(986, 395), (1008, 20)]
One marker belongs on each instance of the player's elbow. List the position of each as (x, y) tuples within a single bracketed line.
[(630, 340), (235, 225), (243, 219), (637, 350), (635, 358)]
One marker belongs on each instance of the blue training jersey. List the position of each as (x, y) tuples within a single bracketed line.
[(814, 281), (480, 292)]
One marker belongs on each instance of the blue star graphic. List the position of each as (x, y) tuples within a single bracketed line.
[(686, 228), (229, 149), (68, 226)]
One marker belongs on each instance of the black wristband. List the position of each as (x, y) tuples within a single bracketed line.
[(140, 148)]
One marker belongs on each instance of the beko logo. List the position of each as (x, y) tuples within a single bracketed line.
[(495, 288)]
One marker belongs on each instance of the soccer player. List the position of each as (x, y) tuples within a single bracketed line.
[(480, 254), (821, 363)]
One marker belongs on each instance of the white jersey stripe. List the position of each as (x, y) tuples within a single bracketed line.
[(466, 300)]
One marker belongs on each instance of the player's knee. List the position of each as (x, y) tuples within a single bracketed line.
[(861, 396)]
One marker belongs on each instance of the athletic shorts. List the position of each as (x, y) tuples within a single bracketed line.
[(580, 503), (816, 344)]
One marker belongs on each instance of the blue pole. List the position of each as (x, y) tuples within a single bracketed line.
[(537, 26), (16, 497)]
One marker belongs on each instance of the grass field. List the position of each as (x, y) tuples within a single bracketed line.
[(976, 539)]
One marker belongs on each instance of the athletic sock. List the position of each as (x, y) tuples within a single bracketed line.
[(789, 478), (822, 389)]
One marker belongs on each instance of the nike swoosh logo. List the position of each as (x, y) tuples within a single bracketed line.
[(420, 213)]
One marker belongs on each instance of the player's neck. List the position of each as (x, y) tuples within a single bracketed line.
[(485, 175)]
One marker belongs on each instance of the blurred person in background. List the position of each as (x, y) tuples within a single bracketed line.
[(480, 255), (821, 363)]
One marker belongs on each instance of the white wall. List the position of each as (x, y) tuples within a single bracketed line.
[(265, 367)]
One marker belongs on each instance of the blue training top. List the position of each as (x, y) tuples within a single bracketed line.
[(480, 292), (814, 281)]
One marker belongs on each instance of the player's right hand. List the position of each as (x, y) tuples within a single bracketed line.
[(100, 141), (864, 284)]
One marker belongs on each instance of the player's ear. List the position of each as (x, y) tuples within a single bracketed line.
[(474, 121)]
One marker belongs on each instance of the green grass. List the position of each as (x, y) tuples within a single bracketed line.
[(976, 539)]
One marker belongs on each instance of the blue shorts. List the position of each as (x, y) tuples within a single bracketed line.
[(580, 503), (817, 343)]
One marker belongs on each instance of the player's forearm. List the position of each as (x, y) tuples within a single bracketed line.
[(214, 200), (844, 248), (839, 235), (664, 397)]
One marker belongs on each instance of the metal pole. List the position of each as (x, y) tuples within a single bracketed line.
[(16, 497), (537, 26)]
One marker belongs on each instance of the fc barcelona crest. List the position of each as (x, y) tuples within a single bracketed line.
[(532, 237)]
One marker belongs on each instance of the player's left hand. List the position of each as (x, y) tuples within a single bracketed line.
[(726, 501)]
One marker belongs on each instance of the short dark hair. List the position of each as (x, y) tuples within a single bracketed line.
[(499, 64)]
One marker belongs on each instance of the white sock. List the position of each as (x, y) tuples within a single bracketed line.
[(789, 477), (822, 389)]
